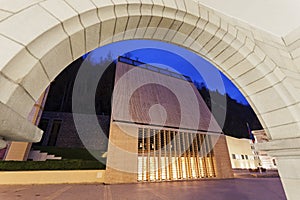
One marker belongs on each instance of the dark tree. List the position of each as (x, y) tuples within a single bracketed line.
[(237, 114)]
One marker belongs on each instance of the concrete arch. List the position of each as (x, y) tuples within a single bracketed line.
[(43, 37), (69, 30)]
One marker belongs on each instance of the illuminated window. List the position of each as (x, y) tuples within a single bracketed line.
[(173, 155), (238, 157)]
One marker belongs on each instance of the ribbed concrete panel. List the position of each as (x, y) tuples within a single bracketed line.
[(18, 99), (19, 67), (13, 126), (274, 99), (10, 52), (98, 21), (70, 22), (47, 41), (33, 85), (90, 21), (40, 22), (60, 9), (63, 56), (4, 14), (18, 6), (7, 88)]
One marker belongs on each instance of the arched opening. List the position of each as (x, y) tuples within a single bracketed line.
[(60, 132)]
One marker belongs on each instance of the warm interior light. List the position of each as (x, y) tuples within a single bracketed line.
[(172, 155)]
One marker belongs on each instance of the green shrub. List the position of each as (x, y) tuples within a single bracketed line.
[(50, 165)]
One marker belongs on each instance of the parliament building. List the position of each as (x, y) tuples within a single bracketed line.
[(155, 134), (156, 128)]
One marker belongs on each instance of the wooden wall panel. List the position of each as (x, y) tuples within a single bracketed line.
[(138, 89)]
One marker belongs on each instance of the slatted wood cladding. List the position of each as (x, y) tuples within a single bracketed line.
[(138, 89), (168, 144)]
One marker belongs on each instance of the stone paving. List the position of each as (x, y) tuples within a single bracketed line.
[(230, 189)]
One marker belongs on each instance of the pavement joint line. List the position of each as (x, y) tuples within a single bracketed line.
[(233, 189), (161, 196), (21, 189), (107, 192), (58, 193)]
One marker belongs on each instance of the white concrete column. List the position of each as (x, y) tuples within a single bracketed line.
[(14, 127), (287, 154), (2, 143)]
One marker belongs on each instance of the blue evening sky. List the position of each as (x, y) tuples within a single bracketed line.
[(173, 58)]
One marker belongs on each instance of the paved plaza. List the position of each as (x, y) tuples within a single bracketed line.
[(231, 189)]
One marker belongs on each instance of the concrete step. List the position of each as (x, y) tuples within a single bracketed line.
[(37, 155)]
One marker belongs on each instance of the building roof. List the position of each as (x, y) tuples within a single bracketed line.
[(146, 96)]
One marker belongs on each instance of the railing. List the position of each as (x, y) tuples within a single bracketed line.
[(153, 68)]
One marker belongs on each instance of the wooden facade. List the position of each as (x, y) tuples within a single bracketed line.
[(174, 135)]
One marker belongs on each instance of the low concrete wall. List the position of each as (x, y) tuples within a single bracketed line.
[(52, 177)]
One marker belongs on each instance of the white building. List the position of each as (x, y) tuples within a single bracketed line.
[(266, 161), (242, 153)]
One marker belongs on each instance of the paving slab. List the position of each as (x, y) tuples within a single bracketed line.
[(229, 189)]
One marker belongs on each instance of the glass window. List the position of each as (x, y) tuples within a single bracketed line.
[(274, 162), (54, 132), (44, 124)]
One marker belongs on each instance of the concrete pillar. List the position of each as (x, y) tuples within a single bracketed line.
[(19, 151), (287, 154), (15, 127), (222, 160), (2, 144), (121, 165)]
